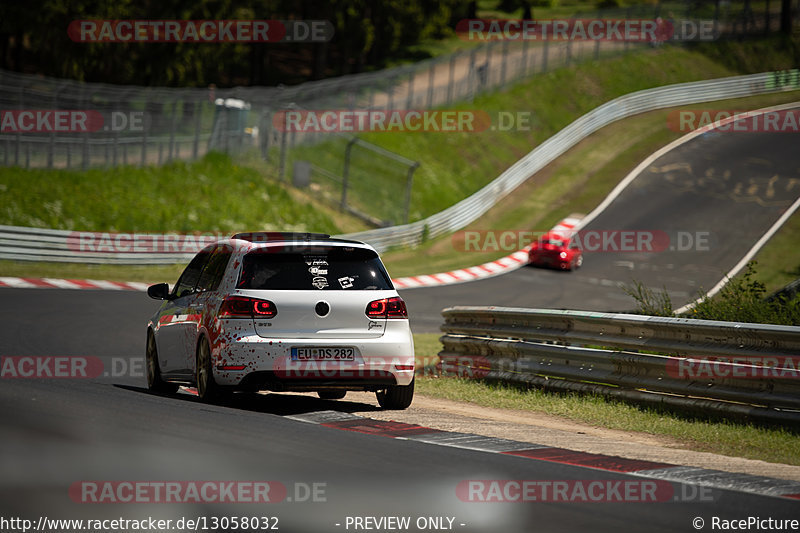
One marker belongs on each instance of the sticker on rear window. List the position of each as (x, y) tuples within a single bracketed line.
[(318, 267), (319, 282), (346, 282)]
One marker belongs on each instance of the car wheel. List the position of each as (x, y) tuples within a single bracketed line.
[(154, 381), (332, 394), (579, 262), (207, 388), (396, 396)]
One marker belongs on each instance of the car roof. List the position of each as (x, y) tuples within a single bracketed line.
[(261, 239)]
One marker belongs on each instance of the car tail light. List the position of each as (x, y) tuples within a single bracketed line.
[(387, 308), (244, 307)]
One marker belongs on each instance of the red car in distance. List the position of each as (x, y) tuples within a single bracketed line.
[(555, 250)]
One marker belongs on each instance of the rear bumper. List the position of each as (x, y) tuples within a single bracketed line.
[(345, 380), (255, 363), (550, 261)]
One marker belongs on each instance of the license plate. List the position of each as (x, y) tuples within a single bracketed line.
[(324, 353)]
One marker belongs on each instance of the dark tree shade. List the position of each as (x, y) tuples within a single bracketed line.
[(34, 39)]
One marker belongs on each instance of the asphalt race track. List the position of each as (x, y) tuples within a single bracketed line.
[(60, 432), (713, 197), (57, 433)]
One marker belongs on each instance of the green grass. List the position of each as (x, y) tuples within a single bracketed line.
[(739, 440), (577, 182), (142, 274), (779, 259), (457, 164), (222, 194), (213, 194)]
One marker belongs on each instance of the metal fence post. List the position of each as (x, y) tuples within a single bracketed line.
[(503, 63), (115, 137), (569, 51), (627, 17), (471, 74), (346, 171), (488, 67), (265, 132), (431, 80), (148, 124), (51, 145), (282, 164), (409, 184), (597, 41), (524, 58), (450, 79), (410, 99), (18, 144), (85, 144), (196, 145), (545, 47)]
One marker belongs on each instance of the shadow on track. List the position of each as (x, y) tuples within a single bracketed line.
[(272, 403)]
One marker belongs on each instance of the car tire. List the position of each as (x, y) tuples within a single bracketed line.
[(332, 394), (154, 381), (579, 263), (396, 397), (207, 388)]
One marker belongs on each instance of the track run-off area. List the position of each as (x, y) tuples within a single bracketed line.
[(64, 441)]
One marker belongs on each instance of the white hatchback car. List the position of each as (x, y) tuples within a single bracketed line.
[(283, 312)]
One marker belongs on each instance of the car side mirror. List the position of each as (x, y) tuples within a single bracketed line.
[(160, 291)]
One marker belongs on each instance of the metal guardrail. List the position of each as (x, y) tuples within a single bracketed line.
[(50, 242), (739, 370), (63, 246), (471, 208)]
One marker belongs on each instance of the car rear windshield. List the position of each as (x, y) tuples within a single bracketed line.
[(313, 268)]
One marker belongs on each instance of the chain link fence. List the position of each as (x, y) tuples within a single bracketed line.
[(52, 123)]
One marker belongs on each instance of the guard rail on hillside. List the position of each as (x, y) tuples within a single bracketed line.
[(63, 246), (471, 208), (743, 371), (49, 243)]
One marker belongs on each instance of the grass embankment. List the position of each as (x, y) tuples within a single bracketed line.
[(577, 182), (726, 438), (216, 194), (213, 194), (455, 165)]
